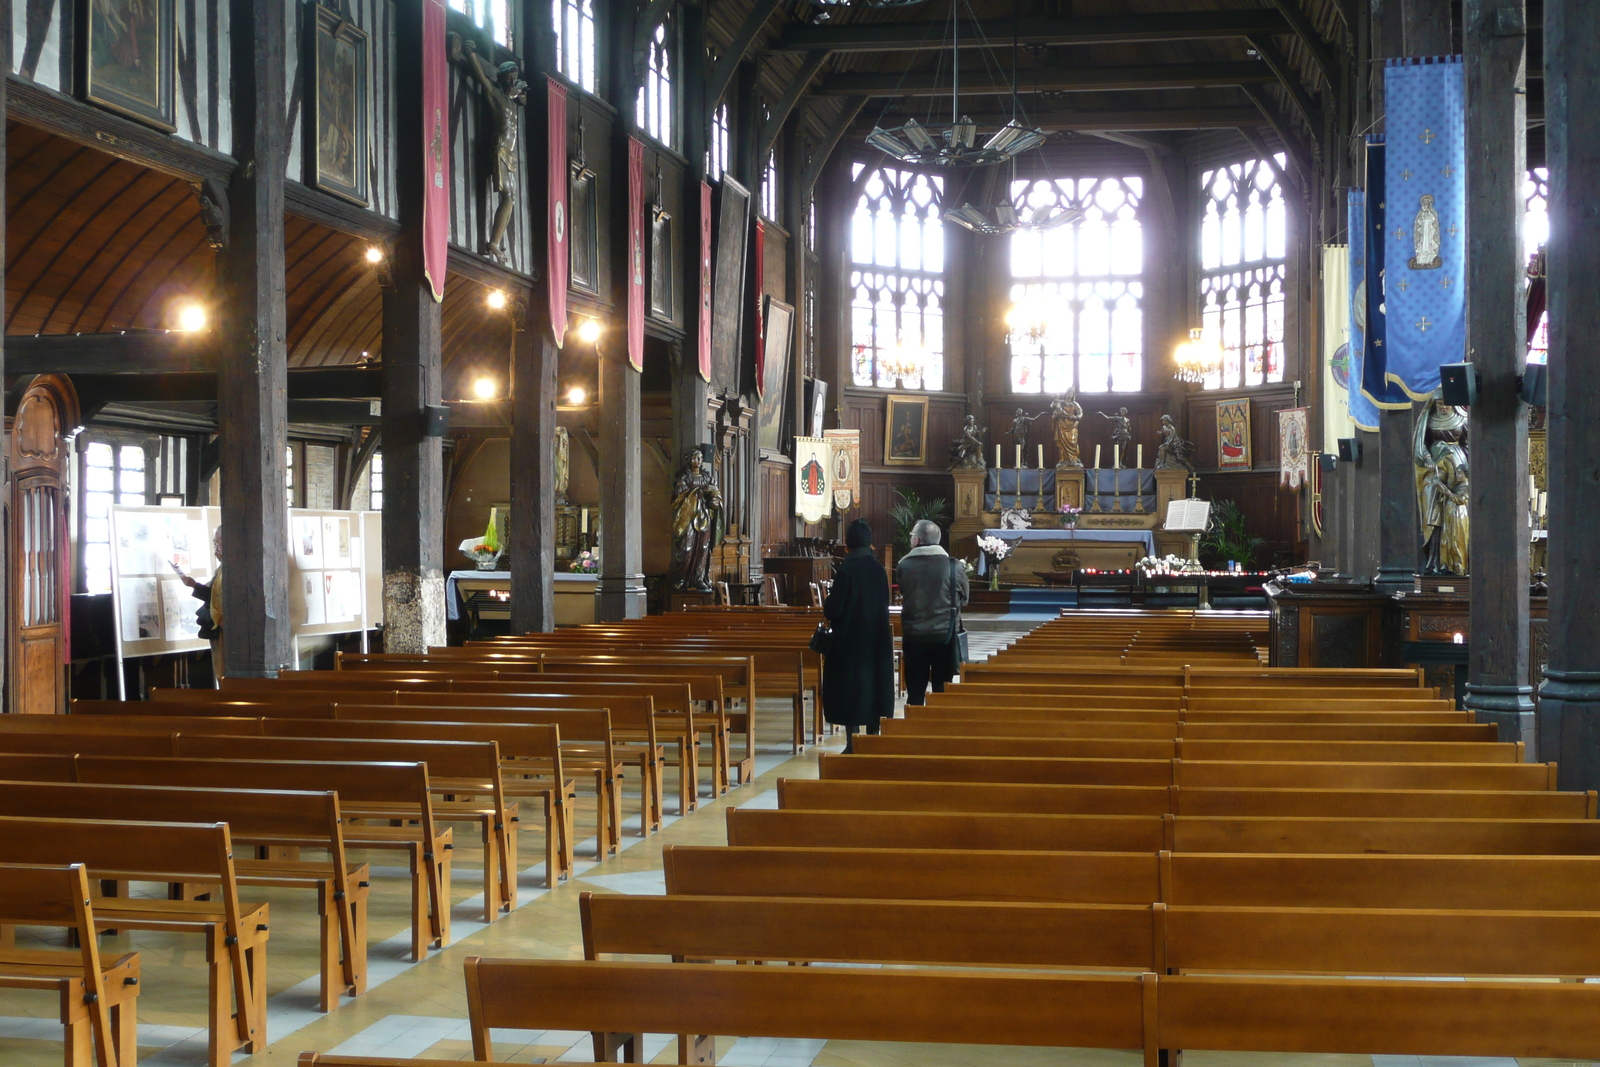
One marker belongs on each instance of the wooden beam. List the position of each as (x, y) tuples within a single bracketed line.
[(189, 386), (1090, 120), (1051, 79), (1321, 54), (314, 205), (1284, 73), (1102, 29), (1280, 126), (728, 62), (779, 113), (130, 352), (830, 140), (335, 412)]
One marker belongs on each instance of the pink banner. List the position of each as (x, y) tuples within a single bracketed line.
[(759, 273), (636, 254), (435, 120), (705, 281), (556, 261)]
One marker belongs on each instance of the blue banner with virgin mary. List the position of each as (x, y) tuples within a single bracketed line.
[(1425, 248), (1362, 411)]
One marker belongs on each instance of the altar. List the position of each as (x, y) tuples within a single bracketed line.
[(1033, 551), (487, 595)]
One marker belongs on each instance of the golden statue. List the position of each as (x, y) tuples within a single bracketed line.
[(696, 523), (1066, 413), (1440, 458)]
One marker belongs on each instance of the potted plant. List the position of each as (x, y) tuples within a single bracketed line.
[(485, 549), (911, 510), (1225, 539)]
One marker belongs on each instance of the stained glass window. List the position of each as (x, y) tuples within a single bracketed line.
[(897, 280), (1243, 267), (1079, 288), (574, 23), (769, 188), (491, 15), (653, 108)]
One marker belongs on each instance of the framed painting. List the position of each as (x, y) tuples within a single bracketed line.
[(128, 58), (584, 228), (1233, 434), (728, 294), (336, 120), (661, 303), (905, 433), (816, 397), (775, 375)]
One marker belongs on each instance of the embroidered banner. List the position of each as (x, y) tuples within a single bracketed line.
[(636, 253), (1425, 253), (813, 491), (845, 446), (1335, 346), (556, 262), (1379, 392), (1293, 453), (1233, 435), (436, 153), (705, 281)]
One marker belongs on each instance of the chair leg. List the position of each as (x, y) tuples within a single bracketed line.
[(328, 948)]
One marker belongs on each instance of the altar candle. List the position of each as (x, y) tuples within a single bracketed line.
[(1041, 457), (583, 520), (1140, 464), (1116, 457), (1019, 459), (997, 463), (1096, 457)]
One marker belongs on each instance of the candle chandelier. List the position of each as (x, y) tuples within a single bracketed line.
[(904, 362), (1197, 359)]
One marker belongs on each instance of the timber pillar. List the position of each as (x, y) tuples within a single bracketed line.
[(1569, 708), (532, 537), (1498, 686), (621, 594)]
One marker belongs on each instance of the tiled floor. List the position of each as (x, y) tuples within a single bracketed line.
[(413, 1010)]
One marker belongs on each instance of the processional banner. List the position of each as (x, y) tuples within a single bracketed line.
[(436, 152), (845, 446), (1335, 345), (1425, 253), (636, 253), (1378, 391), (1362, 411), (813, 488), (555, 260), (1294, 456), (705, 281), (1233, 435)]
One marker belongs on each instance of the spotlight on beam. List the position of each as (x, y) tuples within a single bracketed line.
[(576, 396), (485, 388), (374, 254), (496, 299), (589, 331), (191, 318)]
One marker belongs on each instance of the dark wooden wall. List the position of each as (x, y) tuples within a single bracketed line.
[(1270, 512), (865, 410)]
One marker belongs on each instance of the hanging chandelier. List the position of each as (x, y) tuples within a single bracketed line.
[(903, 362), (1029, 320), (958, 145), (1024, 211), (1197, 359)]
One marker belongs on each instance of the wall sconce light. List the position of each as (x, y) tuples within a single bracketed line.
[(374, 255), (589, 331), (496, 299)]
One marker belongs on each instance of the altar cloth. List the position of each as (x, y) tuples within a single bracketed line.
[(1016, 537)]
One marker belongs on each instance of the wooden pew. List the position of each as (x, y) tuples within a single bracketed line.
[(98, 997), (264, 817), (425, 845), (235, 933), (921, 726), (814, 794), (1240, 750)]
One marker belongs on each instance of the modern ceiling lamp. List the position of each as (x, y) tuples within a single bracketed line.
[(957, 145), (1027, 209)]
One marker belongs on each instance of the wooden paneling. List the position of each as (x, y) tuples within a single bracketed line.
[(777, 502), (865, 410)]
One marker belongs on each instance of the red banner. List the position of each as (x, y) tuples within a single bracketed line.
[(758, 271), (556, 261), (705, 281), (636, 254), (436, 154)]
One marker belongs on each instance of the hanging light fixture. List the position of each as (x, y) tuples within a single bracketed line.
[(1197, 359), (1029, 320), (905, 361), (957, 145), (1022, 212)]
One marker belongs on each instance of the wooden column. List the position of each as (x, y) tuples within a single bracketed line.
[(690, 391), (1498, 686), (1569, 708), (413, 470), (253, 381), (621, 593)]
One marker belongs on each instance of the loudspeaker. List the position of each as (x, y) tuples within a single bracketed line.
[(435, 420), (1535, 377), (1350, 450), (1458, 384), (1329, 461)]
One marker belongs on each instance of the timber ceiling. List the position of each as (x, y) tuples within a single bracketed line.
[(95, 244)]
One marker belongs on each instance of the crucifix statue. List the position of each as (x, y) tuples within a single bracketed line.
[(505, 92)]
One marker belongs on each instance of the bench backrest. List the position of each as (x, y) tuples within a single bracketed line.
[(1245, 750)]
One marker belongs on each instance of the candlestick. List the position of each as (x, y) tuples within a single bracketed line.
[(997, 457), (1019, 459), (1096, 457), (1041, 457), (1140, 464), (1116, 457), (583, 520)]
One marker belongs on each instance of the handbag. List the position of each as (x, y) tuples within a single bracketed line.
[(821, 639)]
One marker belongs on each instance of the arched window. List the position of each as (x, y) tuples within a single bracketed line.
[(491, 15), (653, 109), (897, 279), (1243, 268), (1081, 285), (1535, 233), (574, 22), (717, 144)]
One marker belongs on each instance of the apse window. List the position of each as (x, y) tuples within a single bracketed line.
[(574, 24), (897, 281), (1077, 290), (1244, 246), (653, 108)]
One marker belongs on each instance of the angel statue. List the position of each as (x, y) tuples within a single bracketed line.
[(1440, 460), (1174, 451), (1019, 429), (696, 523), (505, 92), (1121, 428), (966, 451), (1065, 414)]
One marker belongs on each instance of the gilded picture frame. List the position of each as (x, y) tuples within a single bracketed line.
[(905, 431), (127, 58), (338, 138), (1233, 435)]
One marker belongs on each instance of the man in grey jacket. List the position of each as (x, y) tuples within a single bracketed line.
[(933, 590)]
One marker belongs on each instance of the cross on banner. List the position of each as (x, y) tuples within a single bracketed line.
[(1404, 285), (1448, 171), (1423, 324), (1427, 136), (1405, 175)]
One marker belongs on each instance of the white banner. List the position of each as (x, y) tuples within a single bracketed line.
[(1336, 421), (845, 466), (813, 478)]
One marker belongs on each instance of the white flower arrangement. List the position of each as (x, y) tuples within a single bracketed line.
[(994, 548), (969, 568)]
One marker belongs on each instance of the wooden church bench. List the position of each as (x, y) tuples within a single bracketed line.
[(1243, 749)]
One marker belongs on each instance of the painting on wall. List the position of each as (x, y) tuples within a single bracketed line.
[(128, 58), (583, 208), (775, 375), (337, 117), (1233, 435), (728, 289), (905, 439)]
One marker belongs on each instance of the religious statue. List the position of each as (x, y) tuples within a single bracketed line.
[(505, 91), (563, 463), (1066, 413), (1174, 451), (966, 451), (1440, 459), (696, 523), (1425, 236), (1121, 428), (1019, 430)]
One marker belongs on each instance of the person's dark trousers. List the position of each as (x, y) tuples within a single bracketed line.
[(919, 658), (851, 731)]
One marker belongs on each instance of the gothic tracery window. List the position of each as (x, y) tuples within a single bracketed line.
[(574, 23), (897, 280), (1081, 286), (653, 109), (717, 144), (1243, 269)]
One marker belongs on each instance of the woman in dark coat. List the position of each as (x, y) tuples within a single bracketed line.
[(858, 674)]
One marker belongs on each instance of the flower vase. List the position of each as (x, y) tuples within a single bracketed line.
[(994, 576)]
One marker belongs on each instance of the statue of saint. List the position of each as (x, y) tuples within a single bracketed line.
[(966, 451), (696, 523), (1173, 451), (1065, 414), (563, 463), (1019, 430), (505, 91), (1440, 460), (1426, 236), (1121, 428)]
